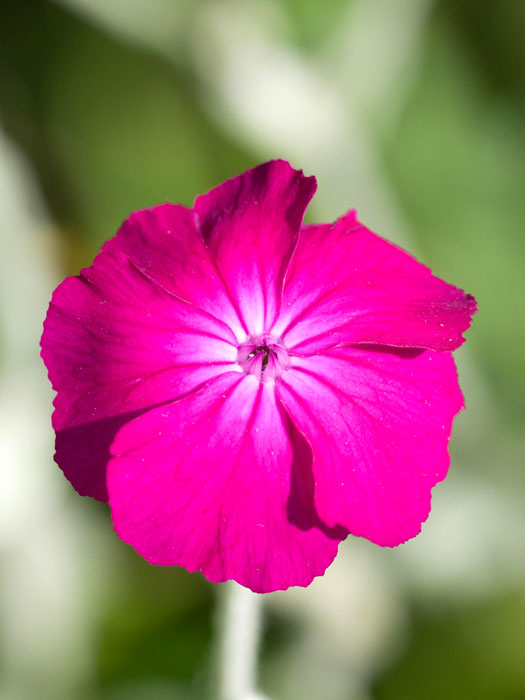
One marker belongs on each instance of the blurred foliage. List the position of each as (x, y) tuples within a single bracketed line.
[(491, 32), (311, 23), (474, 652), (457, 158), (111, 127), (137, 640)]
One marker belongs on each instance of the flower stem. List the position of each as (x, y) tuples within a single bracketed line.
[(239, 627)]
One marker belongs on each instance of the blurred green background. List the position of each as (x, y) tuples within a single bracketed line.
[(411, 111)]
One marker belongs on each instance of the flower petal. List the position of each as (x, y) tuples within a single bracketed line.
[(378, 422), (220, 482), (251, 224), (116, 343), (164, 243), (347, 285)]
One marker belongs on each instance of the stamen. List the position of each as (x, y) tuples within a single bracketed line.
[(264, 358), (266, 354)]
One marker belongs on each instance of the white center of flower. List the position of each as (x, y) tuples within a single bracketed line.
[(264, 357)]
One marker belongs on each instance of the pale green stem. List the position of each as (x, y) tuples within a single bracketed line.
[(238, 636)]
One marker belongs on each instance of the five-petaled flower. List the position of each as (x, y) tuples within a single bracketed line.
[(246, 390)]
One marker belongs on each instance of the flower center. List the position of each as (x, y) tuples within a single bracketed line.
[(264, 357)]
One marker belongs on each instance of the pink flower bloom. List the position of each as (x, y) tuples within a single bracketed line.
[(247, 390)]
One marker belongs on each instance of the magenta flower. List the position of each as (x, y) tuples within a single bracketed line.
[(246, 390)]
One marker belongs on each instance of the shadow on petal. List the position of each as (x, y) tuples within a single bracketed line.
[(300, 507), (402, 353), (83, 452)]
